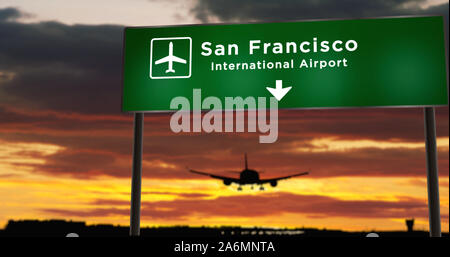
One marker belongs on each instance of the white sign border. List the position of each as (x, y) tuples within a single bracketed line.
[(190, 57)]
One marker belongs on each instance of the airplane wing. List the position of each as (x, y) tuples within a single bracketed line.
[(177, 59), (263, 181), (163, 60), (235, 180)]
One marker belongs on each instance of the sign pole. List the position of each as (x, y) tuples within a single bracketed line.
[(136, 179), (432, 173)]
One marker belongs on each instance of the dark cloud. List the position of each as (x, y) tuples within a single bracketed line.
[(377, 124), (86, 214), (61, 67), (268, 10), (265, 204), (11, 14), (184, 195), (59, 122), (109, 139), (79, 163)]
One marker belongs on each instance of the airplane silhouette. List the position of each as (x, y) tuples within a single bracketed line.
[(248, 177), (170, 59)]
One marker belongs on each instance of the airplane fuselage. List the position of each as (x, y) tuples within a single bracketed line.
[(248, 176), (170, 63)]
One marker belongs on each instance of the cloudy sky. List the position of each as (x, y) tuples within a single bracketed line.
[(65, 147)]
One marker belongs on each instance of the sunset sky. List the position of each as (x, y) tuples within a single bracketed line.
[(65, 146)]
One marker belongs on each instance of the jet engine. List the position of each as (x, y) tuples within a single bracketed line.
[(273, 183), (227, 182)]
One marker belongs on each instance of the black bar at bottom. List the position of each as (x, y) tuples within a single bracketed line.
[(136, 179), (432, 173)]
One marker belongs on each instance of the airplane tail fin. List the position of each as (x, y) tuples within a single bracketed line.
[(170, 71), (246, 164)]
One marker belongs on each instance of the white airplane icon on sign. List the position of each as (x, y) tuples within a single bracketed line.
[(170, 59)]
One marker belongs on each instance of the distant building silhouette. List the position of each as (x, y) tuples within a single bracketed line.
[(410, 225)]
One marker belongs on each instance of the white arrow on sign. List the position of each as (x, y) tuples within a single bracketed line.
[(279, 92)]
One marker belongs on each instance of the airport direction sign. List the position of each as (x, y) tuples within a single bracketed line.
[(383, 62)]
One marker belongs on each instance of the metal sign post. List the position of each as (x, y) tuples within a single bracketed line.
[(432, 173), (136, 179)]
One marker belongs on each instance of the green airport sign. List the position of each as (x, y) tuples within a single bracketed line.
[(383, 62)]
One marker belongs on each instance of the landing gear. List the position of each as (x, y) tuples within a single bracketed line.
[(261, 188), (239, 188)]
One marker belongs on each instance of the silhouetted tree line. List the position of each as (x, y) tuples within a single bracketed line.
[(60, 228)]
